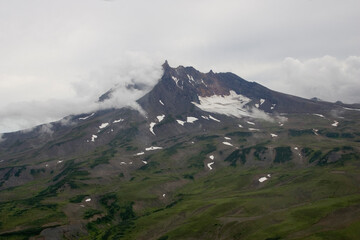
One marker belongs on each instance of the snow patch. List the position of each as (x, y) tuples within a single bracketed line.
[(145, 162), (191, 119), (176, 80), (209, 165), (161, 103), (251, 123), (281, 124), (352, 109), (119, 120), (152, 124), (180, 122), (160, 118), (202, 81), (316, 131), (205, 117), (335, 124), (139, 154), (164, 195), (227, 143), (88, 200), (122, 163), (296, 148), (262, 101), (84, 118), (190, 78), (263, 179), (211, 157), (93, 137), (240, 126), (103, 125), (60, 161), (257, 105), (227, 138), (319, 115), (273, 135), (254, 129), (212, 118), (152, 148)]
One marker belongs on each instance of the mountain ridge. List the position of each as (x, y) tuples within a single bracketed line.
[(208, 149)]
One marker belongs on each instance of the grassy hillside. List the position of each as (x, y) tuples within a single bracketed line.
[(311, 190)]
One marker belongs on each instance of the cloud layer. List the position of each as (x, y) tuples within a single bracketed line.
[(135, 68), (327, 78)]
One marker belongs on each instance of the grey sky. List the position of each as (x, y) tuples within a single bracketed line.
[(58, 56)]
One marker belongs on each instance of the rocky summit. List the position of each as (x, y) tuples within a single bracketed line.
[(204, 156)]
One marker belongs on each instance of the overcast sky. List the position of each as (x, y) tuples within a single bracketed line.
[(57, 57)]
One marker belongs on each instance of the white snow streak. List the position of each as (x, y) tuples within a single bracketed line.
[(212, 118), (316, 131), (152, 148), (262, 101), (251, 123), (273, 135), (145, 162), (152, 124), (227, 138), (212, 157), (352, 109), (119, 120), (161, 103), (190, 78), (335, 124), (319, 115), (84, 118), (88, 200), (139, 154), (227, 143), (254, 129), (209, 165), (240, 126), (205, 117)]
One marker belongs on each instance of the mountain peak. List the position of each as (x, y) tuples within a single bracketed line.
[(166, 65)]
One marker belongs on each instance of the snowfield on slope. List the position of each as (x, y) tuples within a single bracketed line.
[(230, 105)]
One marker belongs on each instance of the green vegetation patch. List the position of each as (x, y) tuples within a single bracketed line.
[(282, 154), (298, 133)]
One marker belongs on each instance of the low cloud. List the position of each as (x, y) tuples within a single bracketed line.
[(134, 69), (328, 78)]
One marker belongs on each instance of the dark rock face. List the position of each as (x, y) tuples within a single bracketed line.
[(181, 86)]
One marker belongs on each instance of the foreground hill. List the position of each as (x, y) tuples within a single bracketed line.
[(211, 156)]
